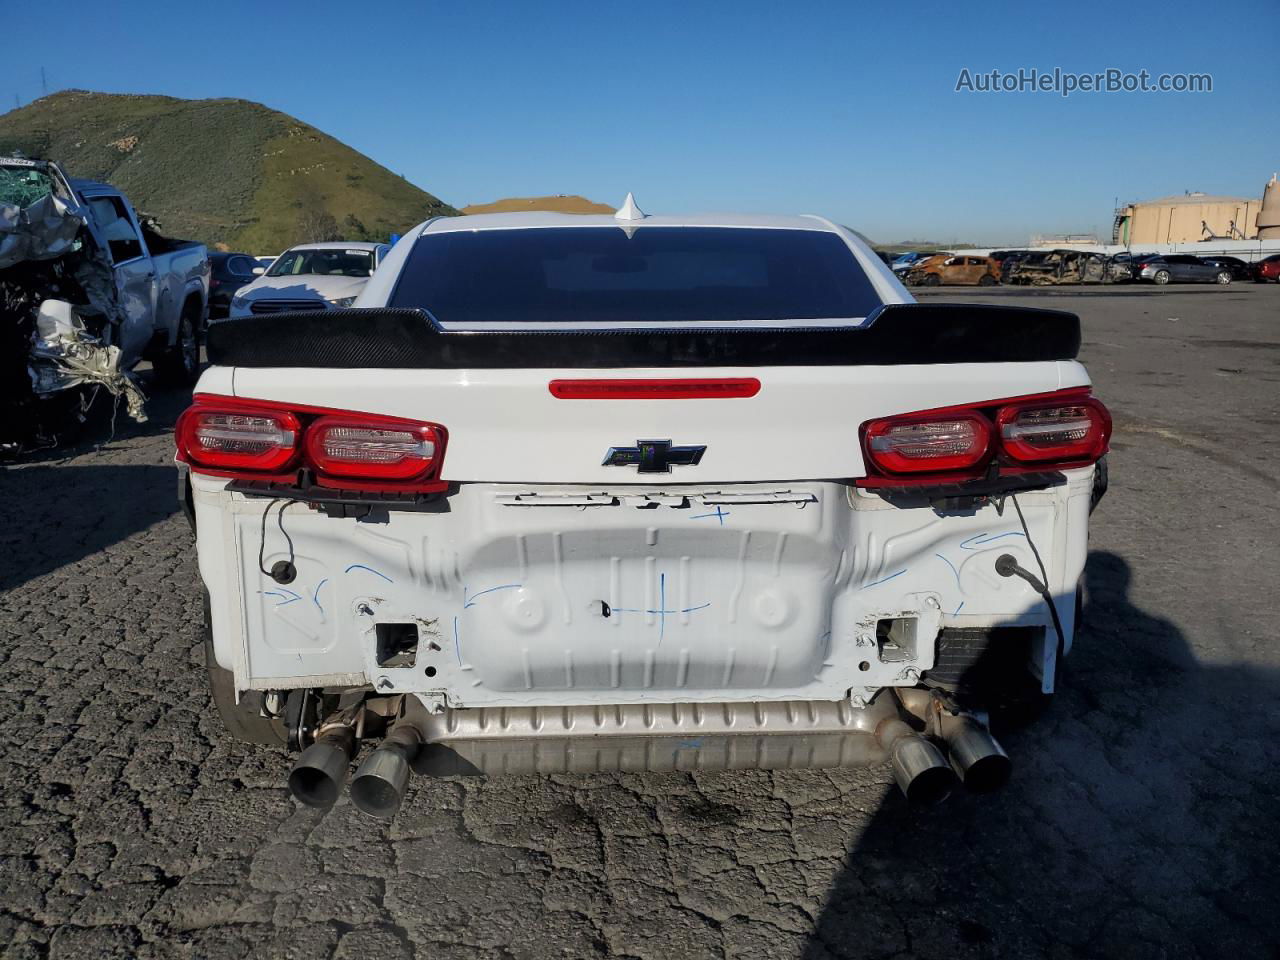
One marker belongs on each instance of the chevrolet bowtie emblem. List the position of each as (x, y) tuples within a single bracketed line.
[(654, 456)]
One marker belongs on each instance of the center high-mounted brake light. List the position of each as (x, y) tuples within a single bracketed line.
[(290, 443), (685, 388), (1052, 431)]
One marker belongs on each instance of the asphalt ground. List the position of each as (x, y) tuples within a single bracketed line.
[(1141, 820)]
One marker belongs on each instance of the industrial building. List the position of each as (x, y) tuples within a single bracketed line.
[(1190, 218)]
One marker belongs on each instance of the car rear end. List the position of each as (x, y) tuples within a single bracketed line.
[(659, 496)]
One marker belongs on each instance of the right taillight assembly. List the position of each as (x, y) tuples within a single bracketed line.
[(929, 444), (1068, 428), (1054, 433), (260, 440)]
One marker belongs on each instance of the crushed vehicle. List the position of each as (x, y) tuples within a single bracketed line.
[(631, 492), (949, 268), (87, 290), (1068, 266)]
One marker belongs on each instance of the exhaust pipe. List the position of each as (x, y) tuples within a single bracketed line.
[(976, 756), (318, 776), (919, 768), (379, 784)]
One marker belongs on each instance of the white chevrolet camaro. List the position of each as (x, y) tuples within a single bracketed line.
[(583, 493)]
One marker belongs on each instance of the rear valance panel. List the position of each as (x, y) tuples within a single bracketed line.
[(895, 334)]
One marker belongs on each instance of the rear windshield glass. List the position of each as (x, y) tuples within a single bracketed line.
[(667, 276)]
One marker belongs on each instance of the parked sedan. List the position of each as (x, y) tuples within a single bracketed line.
[(311, 276), (1267, 269), (1181, 268), (228, 273), (1240, 270)]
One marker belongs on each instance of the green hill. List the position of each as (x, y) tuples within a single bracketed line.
[(561, 203), (226, 172)]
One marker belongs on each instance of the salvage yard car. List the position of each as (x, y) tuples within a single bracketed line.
[(945, 268), (310, 276), (1068, 267), (1180, 268), (583, 493), (228, 273), (1266, 269), (87, 290)]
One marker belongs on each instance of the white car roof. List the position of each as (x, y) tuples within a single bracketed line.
[(533, 219), (337, 245)]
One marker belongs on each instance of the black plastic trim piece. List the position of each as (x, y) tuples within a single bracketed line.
[(896, 334), (332, 501), (962, 496)]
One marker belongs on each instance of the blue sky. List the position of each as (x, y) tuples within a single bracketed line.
[(831, 108)]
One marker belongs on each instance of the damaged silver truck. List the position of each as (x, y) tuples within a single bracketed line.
[(88, 289)]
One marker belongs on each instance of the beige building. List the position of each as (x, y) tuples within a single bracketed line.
[(1189, 218), (1269, 215)]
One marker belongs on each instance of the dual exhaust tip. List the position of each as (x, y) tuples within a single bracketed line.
[(926, 777), (379, 785)]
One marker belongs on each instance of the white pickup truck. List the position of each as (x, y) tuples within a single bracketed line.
[(577, 493), (87, 290)]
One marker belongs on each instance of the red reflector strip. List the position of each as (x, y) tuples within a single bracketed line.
[(721, 388)]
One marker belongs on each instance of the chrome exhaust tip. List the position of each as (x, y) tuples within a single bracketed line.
[(976, 756), (921, 771), (379, 785), (318, 776)]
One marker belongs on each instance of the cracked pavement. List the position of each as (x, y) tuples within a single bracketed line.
[(1140, 820)]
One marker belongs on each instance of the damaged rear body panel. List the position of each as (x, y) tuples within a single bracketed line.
[(80, 300)]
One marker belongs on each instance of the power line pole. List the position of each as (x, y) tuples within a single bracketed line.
[(44, 84)]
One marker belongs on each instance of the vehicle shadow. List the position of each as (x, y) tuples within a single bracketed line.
[(1139, 821), (58, 511), (57, 515)]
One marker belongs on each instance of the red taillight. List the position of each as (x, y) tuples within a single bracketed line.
[(227, 438), (932, 444), (293, 444), (382, 450), (645, 389), (1061, 432), (1068, 428)]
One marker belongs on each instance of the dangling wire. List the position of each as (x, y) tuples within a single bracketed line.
[(262, 542)]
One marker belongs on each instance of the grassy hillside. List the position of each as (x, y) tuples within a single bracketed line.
[(563, 203), (227, 172)]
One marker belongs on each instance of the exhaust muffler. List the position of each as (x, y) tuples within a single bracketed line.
[(318, 776), (919, 767), (976, 756), (379, 785)]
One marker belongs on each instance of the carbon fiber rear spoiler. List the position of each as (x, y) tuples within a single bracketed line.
[(896, 334)]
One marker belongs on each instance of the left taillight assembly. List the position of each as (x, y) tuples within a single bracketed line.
[(226, 438), (289, 443), (351, 447)]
